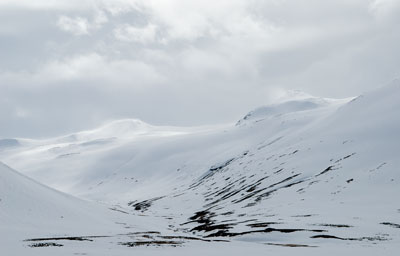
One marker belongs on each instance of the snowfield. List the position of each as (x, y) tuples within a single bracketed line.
[(306, 176)]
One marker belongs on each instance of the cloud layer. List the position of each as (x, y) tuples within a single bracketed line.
[(70, 65)]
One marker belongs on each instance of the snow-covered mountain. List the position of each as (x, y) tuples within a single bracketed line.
[(307, 172)]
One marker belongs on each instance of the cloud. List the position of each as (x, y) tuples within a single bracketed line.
[(100, 18), (82, 26), (192, 20), (77, 26), (130, 33), (92, 69), (47, 4), (385, 10)]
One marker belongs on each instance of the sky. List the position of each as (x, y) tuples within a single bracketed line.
[(68, 65)]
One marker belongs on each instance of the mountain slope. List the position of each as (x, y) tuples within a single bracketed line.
[(33, 215)]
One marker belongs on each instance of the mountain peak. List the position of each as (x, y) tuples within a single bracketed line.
[(292, 101)]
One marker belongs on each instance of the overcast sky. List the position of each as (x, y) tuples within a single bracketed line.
[(67, 65)]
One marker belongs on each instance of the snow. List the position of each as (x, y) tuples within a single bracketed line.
[(289, 106), (307, 171)]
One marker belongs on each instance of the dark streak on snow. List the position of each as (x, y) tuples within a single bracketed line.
[(71, 238), (375, 238), (390, 224)]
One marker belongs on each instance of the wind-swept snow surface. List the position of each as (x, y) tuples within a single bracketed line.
[(306, 176)]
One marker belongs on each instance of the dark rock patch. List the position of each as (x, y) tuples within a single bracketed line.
[(143, 205), (224, 233), (152, 243), (36, 245)]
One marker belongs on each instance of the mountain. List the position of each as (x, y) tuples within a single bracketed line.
[(29, 209), (8, 143), (307, 172)]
